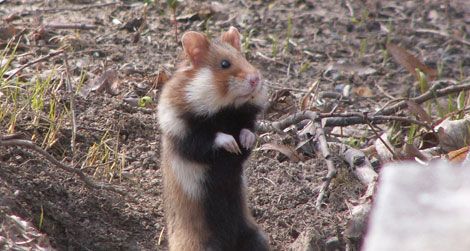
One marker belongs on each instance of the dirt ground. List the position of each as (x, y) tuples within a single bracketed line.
[(339, 44)]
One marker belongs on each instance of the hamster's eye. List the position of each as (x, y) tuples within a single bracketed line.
[(225, 64)]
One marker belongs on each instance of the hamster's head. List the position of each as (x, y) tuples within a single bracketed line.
[(220, 74)]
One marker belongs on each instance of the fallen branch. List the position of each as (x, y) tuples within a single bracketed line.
[(434, 92), (261, 55), (44, 58), (55, 10), (360, 165), (13, 141), (357, 161), (71, 26), (323, 147), (389, 148), (444, 34), (336, 119), (294, 119), (380, 117), (347, 119)]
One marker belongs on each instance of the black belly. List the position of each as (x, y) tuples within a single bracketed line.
[(223, 203)]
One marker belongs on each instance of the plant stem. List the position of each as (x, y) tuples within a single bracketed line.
[(175, 23)]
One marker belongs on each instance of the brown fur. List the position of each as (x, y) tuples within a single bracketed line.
[(217, 50), (177, 85), (181, 210), (187, 229)]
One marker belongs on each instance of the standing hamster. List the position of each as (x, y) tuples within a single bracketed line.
[(207, 113)]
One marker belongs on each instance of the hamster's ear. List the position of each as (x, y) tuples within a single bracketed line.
[(232, 37), (195, 45)]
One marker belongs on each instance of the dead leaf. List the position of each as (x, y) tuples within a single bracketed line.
[(133, 25), (10, 18), (284, 149), (307, 100), (188, 17), (458, 156), (410, 62), (363, 91), (162, 77), (203, 12), (453, 134), (308, 130), (428, 140), (445, 140), (107, 82), (39, 33), (283, 100), (136, 37), (370, 150), (307, 147), (412, 151), (383, 152), (7, 32), (418, 111)]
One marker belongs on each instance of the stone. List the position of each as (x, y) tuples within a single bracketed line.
[(308, 240)]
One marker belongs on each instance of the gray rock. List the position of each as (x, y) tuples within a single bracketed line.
[(333, 244), (308, 240), (421, 208)]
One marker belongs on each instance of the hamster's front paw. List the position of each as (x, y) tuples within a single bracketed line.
[(227, 142), (247, 138)]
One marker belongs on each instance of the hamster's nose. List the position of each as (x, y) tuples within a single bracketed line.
[(254, 79)]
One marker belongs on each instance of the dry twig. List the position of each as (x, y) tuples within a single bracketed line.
[(332, 120), (294, 119), (389, 148), (55, 10), (52, 54), (337, 119), (261, 55), (322, 147), (444, 34), (383, 116), (433, 92), (5, 141), (360, 165), (72, 106), (347, 119), (71, 26)]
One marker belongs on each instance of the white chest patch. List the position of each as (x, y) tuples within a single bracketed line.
[(202, 94), (169, 121), (190, 176)]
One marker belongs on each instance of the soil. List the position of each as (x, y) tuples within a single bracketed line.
[(339, 44)]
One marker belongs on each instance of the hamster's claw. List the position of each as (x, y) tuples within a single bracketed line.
[(227, 142), (247, 138)]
